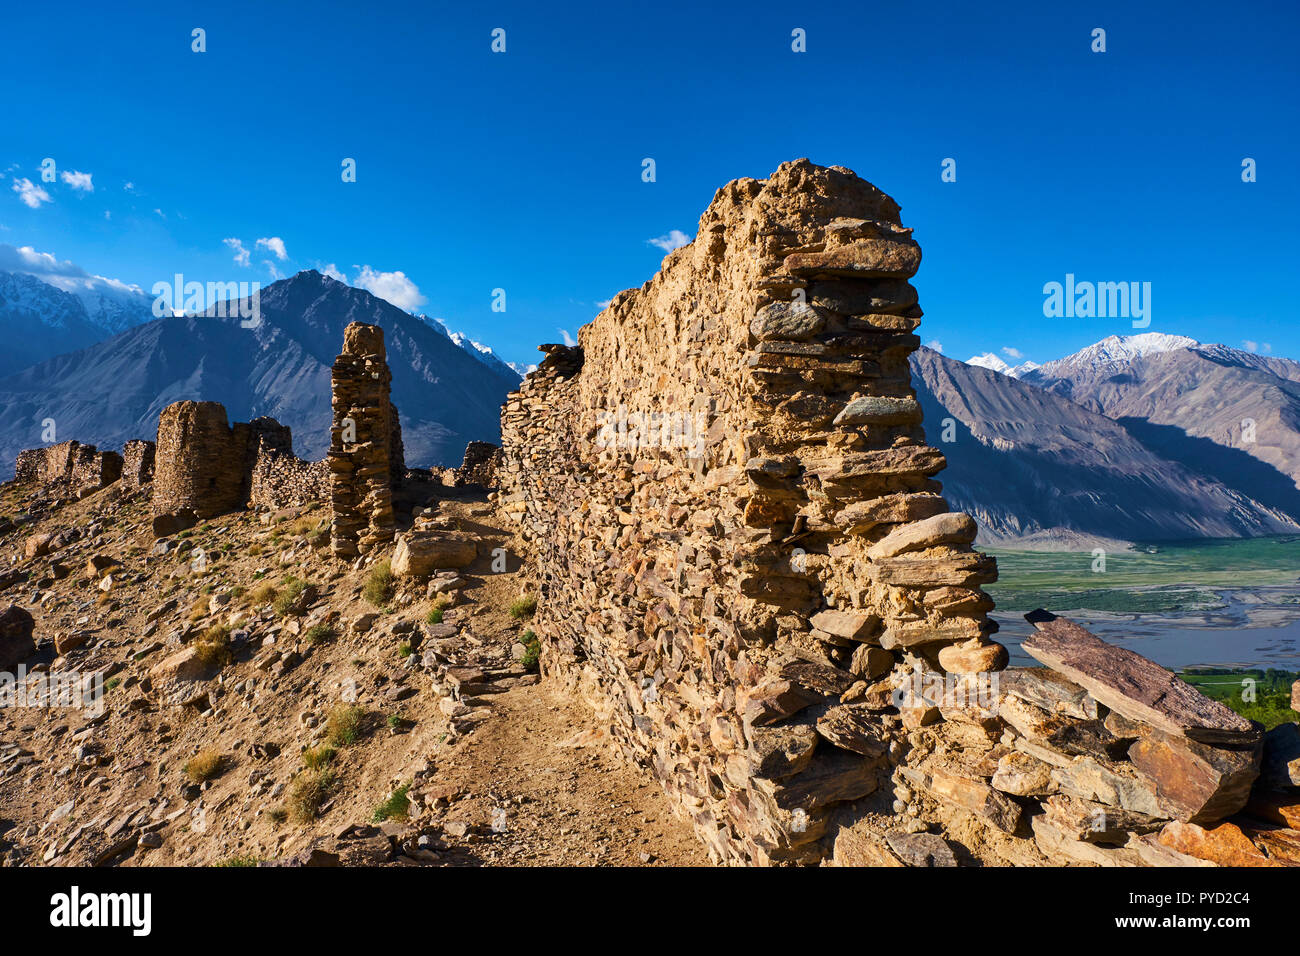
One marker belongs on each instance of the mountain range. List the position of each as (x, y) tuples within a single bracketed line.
[(1134, 438), (1141, 437), (114, 389)]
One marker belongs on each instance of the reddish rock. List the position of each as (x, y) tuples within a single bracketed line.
[(1224, 844), (1196, 782), (1280, 808), (1281, 845), (1138, 688)]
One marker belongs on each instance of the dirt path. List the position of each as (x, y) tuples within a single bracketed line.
[(567, 797)]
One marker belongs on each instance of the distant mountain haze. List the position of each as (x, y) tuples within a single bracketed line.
[(1141, 437), (1135, 437), (114, 390)]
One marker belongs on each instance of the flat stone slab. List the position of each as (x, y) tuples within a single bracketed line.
[(1132, 685)]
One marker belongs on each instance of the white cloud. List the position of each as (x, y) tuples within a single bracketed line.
[(1250, 345), (160, 213), (568, 339), (392, 287), (332, 271), (129, 187), (62, 273), (270, 267), (274, 245), (78, 181), (237, 247), (603, 304), (674, 240), (29, 193), (936, 345), (1011, 352)]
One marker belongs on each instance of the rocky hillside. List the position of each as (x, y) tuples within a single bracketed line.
[(1028, 461), (264, 702), (114, 390)]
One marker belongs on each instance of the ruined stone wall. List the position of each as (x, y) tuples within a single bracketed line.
[(286, 481), (479, 465), (365, 456), (208, 466), (138, 462), (80, 467), (199, 463), (733, 512)]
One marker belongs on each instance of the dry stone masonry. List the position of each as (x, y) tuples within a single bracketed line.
[(206, 466), (737, 529), (746, 565), (365, 456), (81, 469)]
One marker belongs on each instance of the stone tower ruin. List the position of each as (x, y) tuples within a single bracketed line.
[(365, 456)]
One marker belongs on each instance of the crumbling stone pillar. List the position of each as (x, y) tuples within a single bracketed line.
[(363, 441)]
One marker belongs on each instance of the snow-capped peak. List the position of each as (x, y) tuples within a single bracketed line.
[(478, 350), (1116, 351), (990, 361)]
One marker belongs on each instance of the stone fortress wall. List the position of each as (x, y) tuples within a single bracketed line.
[(745, 564)]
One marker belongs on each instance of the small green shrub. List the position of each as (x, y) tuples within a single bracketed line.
[(397, 806), (379, 586), (319, 757), (344, 725), (532, 650), (319, 634), (524, 607), (309, 791)]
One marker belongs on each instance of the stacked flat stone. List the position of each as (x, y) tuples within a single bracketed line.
[(362, 472), (479, 466), (205, 465), (138, 458), (727, 602)]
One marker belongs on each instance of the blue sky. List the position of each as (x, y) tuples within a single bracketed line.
[(522, 170)]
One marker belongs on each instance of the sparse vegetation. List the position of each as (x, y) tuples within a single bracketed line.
[(240, 861), (309, 792), (204, 766), (262, 594), (319, 757), (404, 649), (396, 806), (213, 647), (344, 725), (379, 586), (532, 650), (292, 589), (524, 607), (278, 814), (319, 634)]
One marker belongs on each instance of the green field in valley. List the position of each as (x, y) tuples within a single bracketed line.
[(1263, 695), (1153, 578)]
